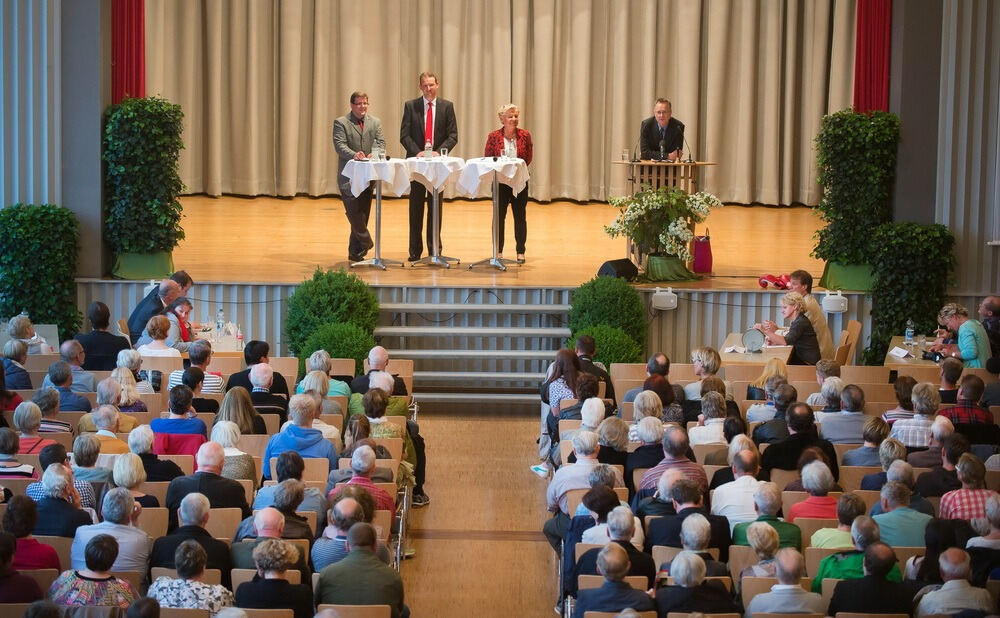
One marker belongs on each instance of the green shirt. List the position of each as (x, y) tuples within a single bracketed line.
[(789, 535), (832, 538), (847, 565)]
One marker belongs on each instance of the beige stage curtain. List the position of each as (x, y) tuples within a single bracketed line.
[(262, 81)]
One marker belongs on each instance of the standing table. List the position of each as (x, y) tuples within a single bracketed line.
[(511, 172), (394, 173), (433, 173)]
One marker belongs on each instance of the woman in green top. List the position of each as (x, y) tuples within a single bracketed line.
[(973, 347)]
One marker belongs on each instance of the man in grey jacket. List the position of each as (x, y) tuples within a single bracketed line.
[(354, 136)]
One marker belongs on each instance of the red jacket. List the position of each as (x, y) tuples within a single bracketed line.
[(495, 145)]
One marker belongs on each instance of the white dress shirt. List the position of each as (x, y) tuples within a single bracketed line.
[(734, 500)]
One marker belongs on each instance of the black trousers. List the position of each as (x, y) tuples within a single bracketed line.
[(518, 205), (419, 448), (419, 196), (358, 210)]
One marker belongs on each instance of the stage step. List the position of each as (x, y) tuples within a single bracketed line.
[(462, 376), (481, 397), (471, 308), (539, 355), (469, 331)]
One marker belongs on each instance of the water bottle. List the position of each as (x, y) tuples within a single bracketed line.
[(220, 321), (428, 148), (908, 334)]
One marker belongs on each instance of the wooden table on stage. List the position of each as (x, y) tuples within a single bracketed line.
[(658, 174), (897, 363), (747, 358)]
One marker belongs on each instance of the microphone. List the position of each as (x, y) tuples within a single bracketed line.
[(690, 158), (663, 150)]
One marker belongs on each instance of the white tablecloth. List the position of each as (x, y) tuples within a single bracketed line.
[(394, 173), (434, 172), (511, 172)]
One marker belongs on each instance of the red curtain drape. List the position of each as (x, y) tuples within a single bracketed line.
[(128, 49), (871, 55)]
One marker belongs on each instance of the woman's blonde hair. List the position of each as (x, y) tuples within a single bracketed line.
[(794, 299), (647, 403), (128, 471), (238, 408), (773, 367), (709, 359), (613, 432), (316, 381), (763, 539), (506, 107), (275, 555), (124, 377)]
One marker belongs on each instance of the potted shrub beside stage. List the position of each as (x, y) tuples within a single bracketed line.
[(329, 296), (142, 142), (856, 157), (660, 222)]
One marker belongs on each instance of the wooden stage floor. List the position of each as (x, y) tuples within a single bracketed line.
[(271, 240)]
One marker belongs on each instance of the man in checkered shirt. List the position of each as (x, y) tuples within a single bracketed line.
[(969, 502), (916, 431), (967, 410)]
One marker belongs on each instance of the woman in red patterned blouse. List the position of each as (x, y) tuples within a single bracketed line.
[(496, 143)]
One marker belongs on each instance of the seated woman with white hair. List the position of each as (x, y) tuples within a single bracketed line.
[(991, 540), (320, 361), (818, 481), (646, 404), (612, 436), (237, 465), (129, 473), (713, 415), (86, 448), (319, 383), (649, 452), (132, 361), (20, 327), (384, 381), (831, 390), (140, 442), (591, 416), (690, 592)]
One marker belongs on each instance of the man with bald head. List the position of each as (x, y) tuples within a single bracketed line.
[(621, 528), (193, 514), (360, 578), (363, 464), (262, 377), (254, 353), (268, 523), (956, 594), (873, 593), (787, 596), (378, 359), (660, 503), (734, 500), (72, 352), (207, 480), (675, 448), (614, 594)]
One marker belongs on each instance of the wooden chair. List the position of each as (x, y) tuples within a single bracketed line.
[(782, 478), (725, 580), (44, 577), (815, 555), (770, 615), (241, 576), (212, 576), (176, 612), (809, 525), (581, 548), (40, 362), (850, 476), (132, 577), (853, 335), (864, 374), (155, 488), (227, 365), (663, 554), (393, 445), (852, 615), (19, 609), (253, 444), (343, 367), (627, 408), (166, 364), (335, 420), (17, 486), (64, 438), (565, 449), (568, 425), (269, 613), (382, 522), (694, 615), (247, 489), (184, 462), (872, 497), (62, 545), (363, 611), (317, 469), (649, 614), (575, 496), (788, 498), (905, 553), (637, 476), (223, 522), (272, 423), (587, 582), (702, 450), (740, 557), (828, 586), (153, 521), (995, 411)]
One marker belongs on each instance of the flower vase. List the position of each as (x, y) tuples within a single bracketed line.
[(667, 268)]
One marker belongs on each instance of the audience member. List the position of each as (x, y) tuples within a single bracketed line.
[(764, 541), (256, 352), (47, 400), (696, 534), (776, 429), (735, 500), (262, 377), (112, 392), (140, 442), (268, 523), (290, 465), (10, 467), (707, 362), (20, 327), (691, 593), (825, 369), (899, 525), (59, 512), (991, 540), (672, 411), (847, 425), (915, 432), (94, 584), (889, 451), (586, 350), (14, 587), (762, 412), (808, 456), (849, 564), (270, 589), (194, 378), (106, 422), (902, 472), (375, 405), (903, 387), (181, 418), (56, 453), (300, 436), (15, 354), (155, 302), (687, 498), (737, 443), (221, 492), (660, 503), (187, 590), (566, 479), (939, 535), (969, 502), (238, 408), (943, 478), (787, 596), (967, 409), (378, 360), (818, 481), (649, 432), (363, 464), (767, 503), (675, 449), (645, 405), (200, 354), (130, 361), (71, 353), (732, 428), (612, 436), (713, 411), (361, 578), (784, 454), (19, 519), (956, 594), (129, 473), (621, 530), (614, 594), (658, 364), (9, 400), (27, 419), (331, 546), (849, 507), (193, 514), (316, 381), (120, 516), (320, 361), (757, 390), (950, 372), (873, 432), (237, 465), (873, 593), (101, 348), (287, 498), (156, 340)]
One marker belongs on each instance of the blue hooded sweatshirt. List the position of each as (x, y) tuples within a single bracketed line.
[(306, 442)]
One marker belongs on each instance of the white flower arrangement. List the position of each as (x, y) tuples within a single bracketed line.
[(661, 221)]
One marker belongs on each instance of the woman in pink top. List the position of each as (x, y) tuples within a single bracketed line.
[(27, 420), (817, 480)]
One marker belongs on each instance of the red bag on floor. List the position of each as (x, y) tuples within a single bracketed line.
[(701, 249)]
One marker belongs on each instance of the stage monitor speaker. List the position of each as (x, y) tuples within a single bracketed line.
[(618, 268)]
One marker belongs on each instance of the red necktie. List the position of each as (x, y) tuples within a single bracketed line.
[(429, 124)]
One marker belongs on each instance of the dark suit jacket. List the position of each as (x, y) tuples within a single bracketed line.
[(269, 403), (588, 366), (707, 598), (162, 554), (646, 456), (159, 470), (242, 378), (16, 378), (147, 308), (771, 431), (612, 597), (56, 517), (937, 482), (667, 531), (640, 564), (649, 137), (785, 453), (101, 349), (411, 126), (868, 595), (275, 594), (360, 385), (221, 493)]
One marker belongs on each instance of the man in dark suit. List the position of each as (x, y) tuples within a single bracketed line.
[(425, 113), (586, 348), (100, 347), (59, 512), (621, 527), (256, 352), (775, 429), (221, 492), (614, 595), (378, 359), (153, 304), (687, 497), (661, 137), (873, 593), (944, 478), (355, 134), (784, 454), (193, 515)]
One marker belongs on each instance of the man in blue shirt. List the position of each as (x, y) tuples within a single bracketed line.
[(181, 418), (300, 436), (61, 376), (72, 352), (900, 525)]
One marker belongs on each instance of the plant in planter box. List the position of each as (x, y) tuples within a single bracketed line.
[(613, 344), (341, 340), (142, 142), (329, 296), (608, 301)]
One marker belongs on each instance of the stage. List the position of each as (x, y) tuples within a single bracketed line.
[(271, 240)]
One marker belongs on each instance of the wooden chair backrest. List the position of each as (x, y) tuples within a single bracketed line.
[(575, 496), (153, 521), (212, 576), (268, 613), (627, 408), (725, 580), (663, 554), (702, 450), (649, 614), (782, 478), (166, 364), (155, 488), (272, 423), (809, 525), (223, 522), (317, 468), (740, 557), (183, 612), (393, 445), (288, 367), (864, 374), (581, 548), (184, 462), (587, 582), (625, 371), (44, 577), (309, 515), (815, 555), (752, 586), (253, 444), (359, 611), (17, 486), (61, 544), (870, 497), (850, 476), (132, 577), (335, 420), (241, 576)]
